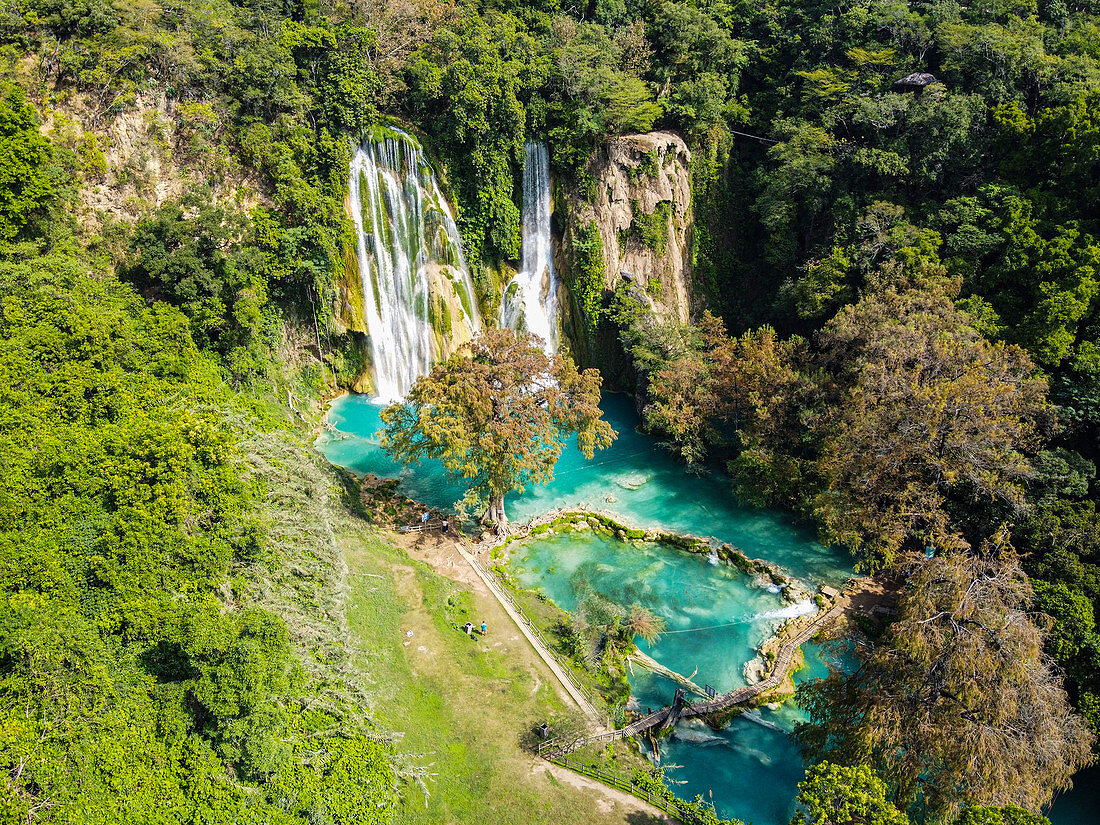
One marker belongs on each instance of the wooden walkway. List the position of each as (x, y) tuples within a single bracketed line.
[(554, 752)]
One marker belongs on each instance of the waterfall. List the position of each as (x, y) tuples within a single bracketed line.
[(530, 300), (418, 299)]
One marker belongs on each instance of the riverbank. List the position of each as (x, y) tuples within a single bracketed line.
[(858, 600), (460, 705), (728, 613)]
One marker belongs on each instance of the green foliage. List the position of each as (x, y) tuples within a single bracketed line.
[(339, 780), (465, 85), (598, 98), (857, 193), (836, 795), (26, 185), (1062, 538), (1006, 815), (189, 254), (586, 275), (653, 229), (130, 673)]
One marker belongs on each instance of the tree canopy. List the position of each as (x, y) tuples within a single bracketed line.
[(837, 795), (129, 685), (27, 186), (956, 703), (498, 412), (902, 345), (920, 409)]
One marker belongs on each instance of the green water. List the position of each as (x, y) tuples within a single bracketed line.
[(715, 616), (751, 768), (1080, 806)]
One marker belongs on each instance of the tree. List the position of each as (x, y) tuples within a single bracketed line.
[(709, 390), (1061, 538), (1005, 815), (924, 410), (956, 704), (199, 258), (25, 155), (497, 412), (839, 795)]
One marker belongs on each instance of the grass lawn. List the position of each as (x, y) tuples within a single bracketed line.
[(462, 704)]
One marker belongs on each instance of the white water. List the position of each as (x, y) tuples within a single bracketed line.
[(530, 300), (410, 262), (802, 608)]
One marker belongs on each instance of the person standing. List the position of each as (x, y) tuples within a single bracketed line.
[(484, 627), (446, 526)]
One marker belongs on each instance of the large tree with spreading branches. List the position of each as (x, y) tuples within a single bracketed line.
[(498, 412), (956, 703)]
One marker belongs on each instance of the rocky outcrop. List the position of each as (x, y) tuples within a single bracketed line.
[(142, 157), (628, 220), (641, 206)]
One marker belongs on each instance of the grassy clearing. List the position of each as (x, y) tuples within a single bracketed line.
[(599, 681), (463, 704)]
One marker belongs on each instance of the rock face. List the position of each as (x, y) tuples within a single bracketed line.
[(642, 208), (637, 199), (141, 158)]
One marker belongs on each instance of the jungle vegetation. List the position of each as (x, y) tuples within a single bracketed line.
[(902, 347)]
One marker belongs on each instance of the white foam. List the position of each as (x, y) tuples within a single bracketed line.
[(806, 607), (698, 733), (755, 717)]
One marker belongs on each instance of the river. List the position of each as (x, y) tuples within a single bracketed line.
[(750, 770)]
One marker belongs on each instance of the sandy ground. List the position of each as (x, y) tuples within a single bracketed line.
[(609, 797), (438, 551), (869, 595)]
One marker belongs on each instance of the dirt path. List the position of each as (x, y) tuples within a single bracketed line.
[(610, 796), (462, 703)]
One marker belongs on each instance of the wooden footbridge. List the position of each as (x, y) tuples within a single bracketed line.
[(667, 717)]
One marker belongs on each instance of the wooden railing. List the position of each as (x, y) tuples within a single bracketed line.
[(677, 808)]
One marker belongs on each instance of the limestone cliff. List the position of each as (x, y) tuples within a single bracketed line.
[(133, 161), (629, 220)]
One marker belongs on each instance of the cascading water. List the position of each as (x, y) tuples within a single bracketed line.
[(530, 300), (418, 299)]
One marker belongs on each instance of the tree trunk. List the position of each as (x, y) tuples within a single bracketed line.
[(495, 514)]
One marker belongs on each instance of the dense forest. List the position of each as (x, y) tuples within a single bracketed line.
[(896, 212)]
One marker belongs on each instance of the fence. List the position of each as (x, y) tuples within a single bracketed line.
[(501, 590), (672, 806)]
